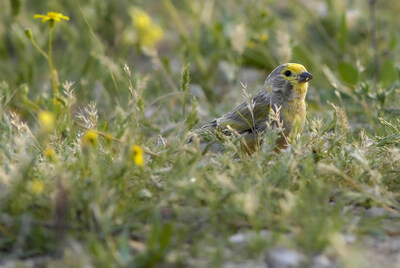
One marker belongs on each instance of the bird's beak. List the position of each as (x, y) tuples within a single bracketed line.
[(304, 77)]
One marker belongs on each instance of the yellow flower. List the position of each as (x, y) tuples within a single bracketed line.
[(50, 154), (51, 16), (47, 120), (109, 138), (90, 137), (137, 154), (141, 19), (263, 37), (36, 186), (148, 32), (250, 44), (152, 37)]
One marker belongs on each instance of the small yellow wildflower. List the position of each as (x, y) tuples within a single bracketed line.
[(137, 154), (250, 44), (109, 138), (47, 120), (36, 186), (263, 37), (148, 32), (50, 154), (90, 137), (141, 19), (152, 37), (51, 16)]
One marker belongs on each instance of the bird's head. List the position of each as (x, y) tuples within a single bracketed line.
[(289, 80)]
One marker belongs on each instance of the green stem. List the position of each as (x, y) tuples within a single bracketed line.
[(184, 103), (374, 41), (53, 72), (38, 48)]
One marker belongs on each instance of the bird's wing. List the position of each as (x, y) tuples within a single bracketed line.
[(242, 119)]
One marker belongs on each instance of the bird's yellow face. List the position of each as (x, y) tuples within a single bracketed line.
[(288, 82), (298, 76)]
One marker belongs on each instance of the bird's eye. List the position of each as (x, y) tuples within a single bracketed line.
[(288, 73)]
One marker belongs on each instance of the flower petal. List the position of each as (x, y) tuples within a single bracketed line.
[(51, 16), (64, 17), (38, 16)]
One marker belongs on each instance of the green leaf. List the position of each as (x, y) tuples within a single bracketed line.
[(15, 7), (393, 41), (348, 73), (388, 73)]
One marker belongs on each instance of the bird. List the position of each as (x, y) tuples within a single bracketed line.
[(281, 103)]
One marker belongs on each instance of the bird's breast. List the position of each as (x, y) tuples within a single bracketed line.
[(294, 112)]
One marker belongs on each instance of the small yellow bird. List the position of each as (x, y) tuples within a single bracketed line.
[(284, 94)]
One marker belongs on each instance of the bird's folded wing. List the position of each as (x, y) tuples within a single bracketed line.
[(246, 117)]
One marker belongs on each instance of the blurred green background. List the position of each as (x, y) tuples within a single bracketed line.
[(224, 42)]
